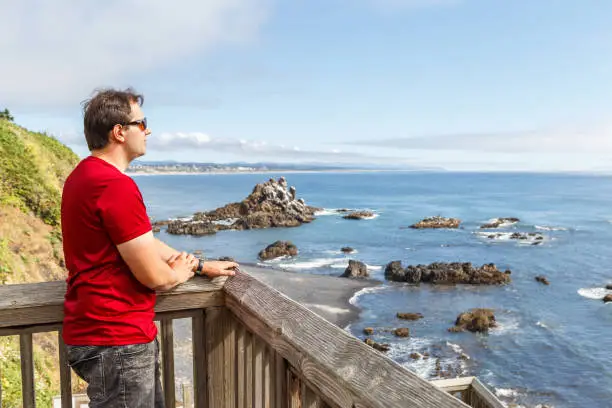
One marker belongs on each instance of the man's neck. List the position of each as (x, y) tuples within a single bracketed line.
[(115, 158)]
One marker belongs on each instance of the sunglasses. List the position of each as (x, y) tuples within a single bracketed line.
[(142, 124)]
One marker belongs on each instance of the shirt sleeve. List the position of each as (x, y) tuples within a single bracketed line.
[(123, 211)]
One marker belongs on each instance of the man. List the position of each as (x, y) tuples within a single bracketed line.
[(115, 263)]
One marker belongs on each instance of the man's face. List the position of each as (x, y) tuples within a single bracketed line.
[(135, 137)]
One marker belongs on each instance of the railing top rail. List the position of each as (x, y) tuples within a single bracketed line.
[(344, 369), (42, 303)]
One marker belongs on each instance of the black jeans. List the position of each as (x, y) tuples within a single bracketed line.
[(119, 376)]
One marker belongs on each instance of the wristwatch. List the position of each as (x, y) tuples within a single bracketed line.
[(198, 270)]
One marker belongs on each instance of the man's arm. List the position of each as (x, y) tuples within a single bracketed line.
[(142, 256), (210, 268), (165, 251)]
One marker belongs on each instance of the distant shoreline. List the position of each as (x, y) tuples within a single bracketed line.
[(217, 172)]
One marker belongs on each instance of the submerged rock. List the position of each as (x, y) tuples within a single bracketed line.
[(368, 331), (542, 279), (355, 269), (278, 249), (497, 222), (383, 347), (409, 316), (476, 320), (359, 215), (270, 205), (402, 332), (534, 237), (609, 287), (607, 298), (437, 222), (447, 273), (347, 250)]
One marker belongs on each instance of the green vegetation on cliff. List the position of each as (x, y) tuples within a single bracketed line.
[(33, 168)]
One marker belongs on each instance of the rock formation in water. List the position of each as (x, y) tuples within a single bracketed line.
[(476, 320), (271, 204), (437, 222), (497, 222), (447, 273), (355, 269), (278, 249), (359, 215)]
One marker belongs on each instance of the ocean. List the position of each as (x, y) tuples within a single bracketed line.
[(553, 344)]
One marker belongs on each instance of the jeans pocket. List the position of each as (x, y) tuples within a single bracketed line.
[(134, 349), (91, 370)]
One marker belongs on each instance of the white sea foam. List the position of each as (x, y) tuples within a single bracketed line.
[(313, 263), (326, 308), (547, 228), (505, 326), (326, 211), (506, 392), (594, 293), (505, 224), (506, 237), (455, 347), (338, 252), (543, 325)]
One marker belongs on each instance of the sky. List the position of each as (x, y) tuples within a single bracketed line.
[(461, 85)]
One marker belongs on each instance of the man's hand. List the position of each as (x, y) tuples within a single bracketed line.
[(183, 265), (219, 268)]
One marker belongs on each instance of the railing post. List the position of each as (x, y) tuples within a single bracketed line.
[(64, 369), (27, 370), (200, 382), (167, 348)]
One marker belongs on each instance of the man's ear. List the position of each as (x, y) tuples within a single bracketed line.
[(117, 134)]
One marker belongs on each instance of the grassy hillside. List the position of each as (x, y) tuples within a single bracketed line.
[(33, 167)]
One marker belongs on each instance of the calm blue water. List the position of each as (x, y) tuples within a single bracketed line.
[(553, 345)]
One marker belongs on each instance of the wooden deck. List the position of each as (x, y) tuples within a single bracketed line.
[(252, 347)]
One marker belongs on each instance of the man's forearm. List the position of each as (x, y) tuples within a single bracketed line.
[(165, 251)]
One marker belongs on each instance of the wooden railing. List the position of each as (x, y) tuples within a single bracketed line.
[(252, 347), (469, 390)]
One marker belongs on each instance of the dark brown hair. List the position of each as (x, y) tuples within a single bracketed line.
[(107, 108)]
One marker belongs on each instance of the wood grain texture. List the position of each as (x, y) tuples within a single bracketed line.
[(344, 369), (214, 354), (43, 303), (309, 398), (167, 349), (27, 371), (258, 349), (65, 377), (280, 383), (240, 367), (248, 368), (229, 359), (200, 366)]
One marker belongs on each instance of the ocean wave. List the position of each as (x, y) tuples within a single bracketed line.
[(313, 263), (542, 325), (326, 211), (547, 228), (594, 293), (365, 291)]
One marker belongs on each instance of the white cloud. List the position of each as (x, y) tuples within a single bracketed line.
[(585, 140), (56, 52)]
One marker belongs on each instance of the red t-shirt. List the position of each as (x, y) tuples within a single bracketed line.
[(105, 305)]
